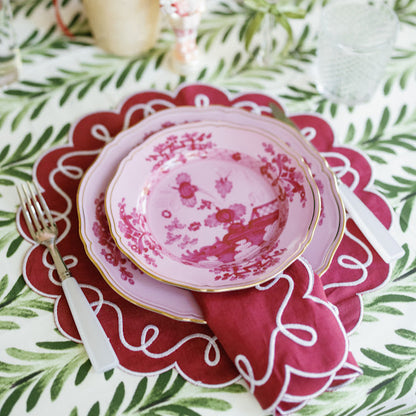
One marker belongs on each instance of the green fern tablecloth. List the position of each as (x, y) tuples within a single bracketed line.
[(63, 79)]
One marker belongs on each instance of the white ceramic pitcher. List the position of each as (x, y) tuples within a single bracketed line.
[(124, 27)]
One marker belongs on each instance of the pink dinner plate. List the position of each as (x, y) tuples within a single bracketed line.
[(212, 206), (129, 281)]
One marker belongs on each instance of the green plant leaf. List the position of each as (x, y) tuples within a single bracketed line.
[(205, 402), (407, 334), (8, 325), (158, 388), (405, 213), (253, 25), (116, 401), (57, 345), (14, 245), (14, 292), (407, 384), (4, 152), (95, 410), (382, 359), (177, 410), (61, 377), (12, 399), (37, 390), (394, 298), (138, 395), (4, 282), (401, 349), (83, 372)]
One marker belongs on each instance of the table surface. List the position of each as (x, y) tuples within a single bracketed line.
[(64, 79)]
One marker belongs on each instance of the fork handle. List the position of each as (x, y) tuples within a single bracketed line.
[(95, 340)]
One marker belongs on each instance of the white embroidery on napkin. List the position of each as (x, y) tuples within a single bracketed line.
[(241, 361), (246, 370)]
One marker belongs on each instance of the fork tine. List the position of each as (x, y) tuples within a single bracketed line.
[(30, 206), (35, 202), (45, 207), (25, 211)]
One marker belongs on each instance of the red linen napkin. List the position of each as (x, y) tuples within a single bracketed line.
[(283, 336)]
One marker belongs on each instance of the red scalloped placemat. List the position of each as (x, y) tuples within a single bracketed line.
[(146, 342)]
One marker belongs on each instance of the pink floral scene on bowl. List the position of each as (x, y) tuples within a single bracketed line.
[(214, 206)]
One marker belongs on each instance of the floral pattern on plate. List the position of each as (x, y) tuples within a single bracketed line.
[(212, 206)]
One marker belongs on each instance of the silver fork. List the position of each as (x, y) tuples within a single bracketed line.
[(44, 231)]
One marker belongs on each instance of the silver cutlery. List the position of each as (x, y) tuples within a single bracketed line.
[(44, 231)]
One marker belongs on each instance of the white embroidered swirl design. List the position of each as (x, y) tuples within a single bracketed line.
[(242, 362), (309, 133), (150, 334), (100, 132), (72, 172), (201, 100), (255, 108), (346, 261), (148, 109), (351, 263), (345, 168)]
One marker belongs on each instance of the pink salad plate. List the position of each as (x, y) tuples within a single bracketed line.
[(212, 206), (129, 281)]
